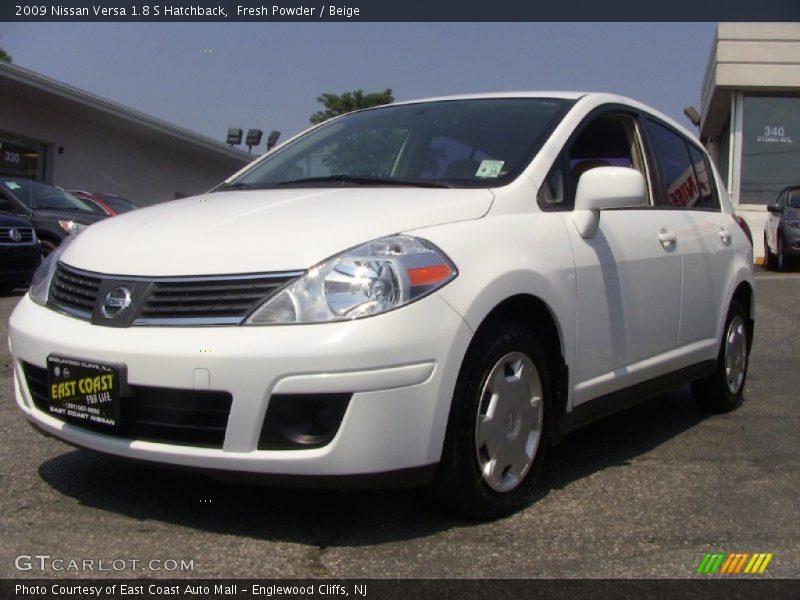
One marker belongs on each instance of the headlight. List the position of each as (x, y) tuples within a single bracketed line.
[(71, 227), (374, 278), (40, 283), (793, 223)]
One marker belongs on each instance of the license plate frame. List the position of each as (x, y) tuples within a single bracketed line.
[(85, 392)]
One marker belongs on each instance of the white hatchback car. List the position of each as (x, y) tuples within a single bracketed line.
[(431, 291)]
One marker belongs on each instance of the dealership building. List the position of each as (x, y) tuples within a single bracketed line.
[(61, 135), (750, 116)]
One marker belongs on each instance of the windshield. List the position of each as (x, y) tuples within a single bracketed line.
[(38, 195), (794, 199), (453, 143)]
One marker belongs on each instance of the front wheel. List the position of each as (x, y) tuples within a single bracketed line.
[(780, 256), (497, 431), (723, 390)]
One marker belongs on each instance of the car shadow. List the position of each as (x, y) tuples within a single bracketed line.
[(343, 518), (618, 439)]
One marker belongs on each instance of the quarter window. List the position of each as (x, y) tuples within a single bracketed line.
[(685, 176)]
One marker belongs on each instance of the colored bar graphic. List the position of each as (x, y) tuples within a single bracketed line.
[(766, 562), (741, 562), (703, 563), (728, 564), (754, 564)]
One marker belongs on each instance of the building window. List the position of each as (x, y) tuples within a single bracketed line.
[(20, 158), (770, 148)]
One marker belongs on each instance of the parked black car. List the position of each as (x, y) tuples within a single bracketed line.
[(55, 213), (782, 229), (20, 251)]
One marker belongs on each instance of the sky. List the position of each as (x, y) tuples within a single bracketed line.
[(208, 77)]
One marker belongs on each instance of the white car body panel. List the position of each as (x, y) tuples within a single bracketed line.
[(278, 230), (628, 296), (628, 308)]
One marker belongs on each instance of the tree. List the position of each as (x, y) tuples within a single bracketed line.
[(5, 56), (336, 104)]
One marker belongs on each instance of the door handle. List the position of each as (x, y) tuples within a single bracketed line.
[(667, 238), (725, 235)]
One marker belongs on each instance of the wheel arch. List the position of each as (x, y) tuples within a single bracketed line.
[(536, 315)]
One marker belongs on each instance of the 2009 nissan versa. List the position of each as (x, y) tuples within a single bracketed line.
[(432, 291)]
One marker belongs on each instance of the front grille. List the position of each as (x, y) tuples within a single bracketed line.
[(215, 300), (155, 414), (223, 299), (25, 235), (74, 291)]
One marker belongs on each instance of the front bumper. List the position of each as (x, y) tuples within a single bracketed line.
[(400, 368)]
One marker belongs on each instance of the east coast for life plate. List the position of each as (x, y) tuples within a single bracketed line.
[(83, 392)]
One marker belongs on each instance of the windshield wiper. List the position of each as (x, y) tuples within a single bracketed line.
[(362, 180)]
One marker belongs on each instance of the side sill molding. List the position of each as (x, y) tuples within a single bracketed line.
[(621, 399)]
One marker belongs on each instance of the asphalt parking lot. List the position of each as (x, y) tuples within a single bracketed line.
[(645, 493)]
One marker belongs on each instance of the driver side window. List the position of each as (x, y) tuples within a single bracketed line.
[(609, 140)]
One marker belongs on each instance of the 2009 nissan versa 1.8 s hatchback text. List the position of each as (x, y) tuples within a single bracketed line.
[(432, 291)]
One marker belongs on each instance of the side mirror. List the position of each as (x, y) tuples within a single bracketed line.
[(602, 188), (774, 208)]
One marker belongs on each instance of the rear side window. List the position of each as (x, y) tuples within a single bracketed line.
[(685, 180)]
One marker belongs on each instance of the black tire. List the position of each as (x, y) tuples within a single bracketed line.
[(714, 393), (460, 486), (780, 257), (770, 260)]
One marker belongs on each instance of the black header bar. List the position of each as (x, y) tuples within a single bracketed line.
[(397, 10)]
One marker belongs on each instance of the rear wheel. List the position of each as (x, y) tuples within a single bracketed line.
[(497, 431), (723, 391)]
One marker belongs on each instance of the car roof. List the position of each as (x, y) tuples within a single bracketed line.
[(487, 95), (592, 98)]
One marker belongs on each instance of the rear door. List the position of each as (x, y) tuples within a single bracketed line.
[(686, 189)]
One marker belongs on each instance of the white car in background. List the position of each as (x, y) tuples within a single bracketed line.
[(431, 291)]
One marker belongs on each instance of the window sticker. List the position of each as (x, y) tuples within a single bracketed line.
[(12, 185), (489, 168)]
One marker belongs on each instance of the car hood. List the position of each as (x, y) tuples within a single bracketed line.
[(262, 230), (9, 220)]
